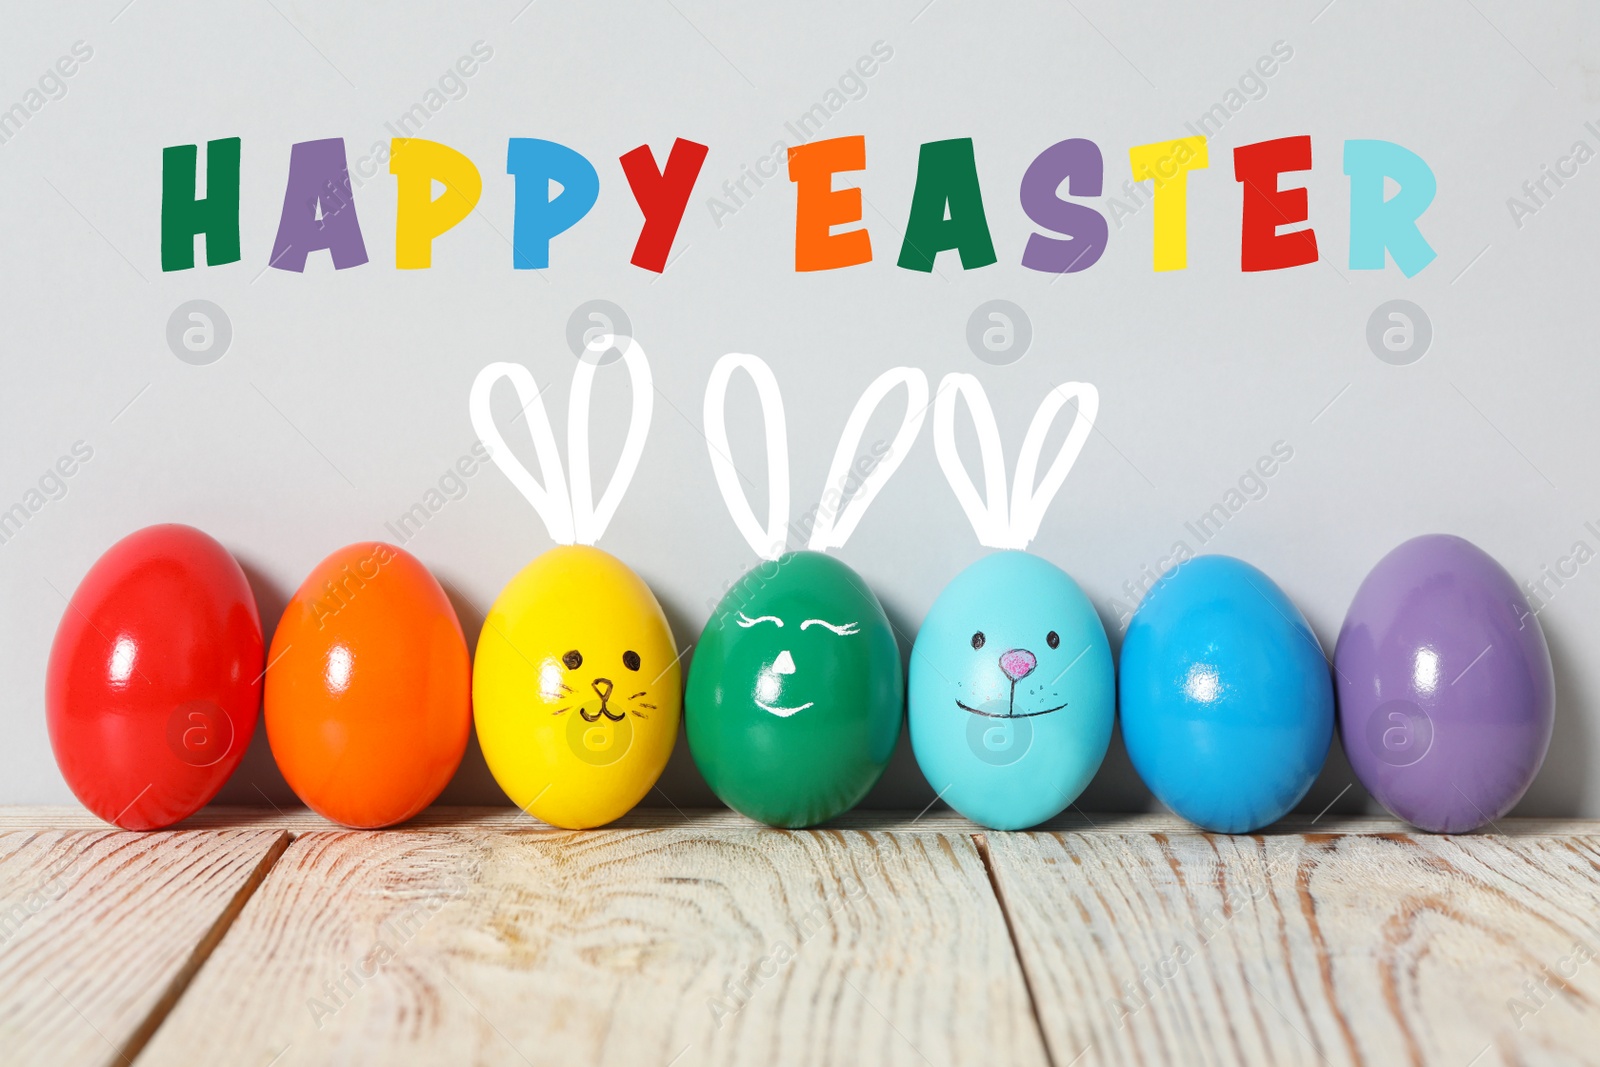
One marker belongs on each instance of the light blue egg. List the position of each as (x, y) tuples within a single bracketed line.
[(1012, 694), (1227, 702)]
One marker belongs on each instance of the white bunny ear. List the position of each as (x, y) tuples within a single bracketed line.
[(831, 530), (550, 499), (1028, 503), (990, 520), (767, 543), (995, 524), (590, 521)]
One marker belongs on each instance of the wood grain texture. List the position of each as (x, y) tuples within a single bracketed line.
[(1311, 949), (507, 817), (642, 948), (934, 821), (100, 931)]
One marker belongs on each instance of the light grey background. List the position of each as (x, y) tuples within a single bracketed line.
[(343, 397)]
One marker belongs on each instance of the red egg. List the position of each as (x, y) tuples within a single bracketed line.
[(154, 682)]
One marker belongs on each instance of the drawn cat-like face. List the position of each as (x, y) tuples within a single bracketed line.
[(795, 691), (601, 696), (595, 690), (576, 688)]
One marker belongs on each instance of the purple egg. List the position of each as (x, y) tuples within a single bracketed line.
[(1446, 694)]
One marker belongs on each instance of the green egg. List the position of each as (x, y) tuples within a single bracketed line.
[(796, 693)]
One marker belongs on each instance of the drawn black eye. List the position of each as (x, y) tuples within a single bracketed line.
[(1052, 639), (573, 660), (978, 639), (630, 660)]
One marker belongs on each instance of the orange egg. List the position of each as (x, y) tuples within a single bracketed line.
[(368, 689)]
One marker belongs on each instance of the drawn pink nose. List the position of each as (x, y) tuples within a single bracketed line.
[(1018, 663)]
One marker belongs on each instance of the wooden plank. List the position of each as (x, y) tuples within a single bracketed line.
[(633, 947), (101, 930), (936, 821), (299, 820), (1307, 950)]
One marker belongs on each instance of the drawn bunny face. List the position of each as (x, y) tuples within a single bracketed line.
[(1012, 660), (1012, 693), (576, 685), (795, 695)]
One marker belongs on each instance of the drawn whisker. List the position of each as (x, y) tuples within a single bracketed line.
[(642, 704), (638, 714), (558, 711), (639, 694)]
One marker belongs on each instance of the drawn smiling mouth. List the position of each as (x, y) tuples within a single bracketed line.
[(1007, 714), (782, 712), (614, 716)]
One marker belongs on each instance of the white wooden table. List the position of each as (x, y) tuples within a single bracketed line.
[(678, 938)]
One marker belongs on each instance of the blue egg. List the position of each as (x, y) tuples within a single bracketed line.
[(1227, 703), (1012, 695)]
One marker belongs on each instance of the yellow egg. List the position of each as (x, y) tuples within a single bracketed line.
[(576, 688)]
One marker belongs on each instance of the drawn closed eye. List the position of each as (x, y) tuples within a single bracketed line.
[(842, 629), (747, 622)]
